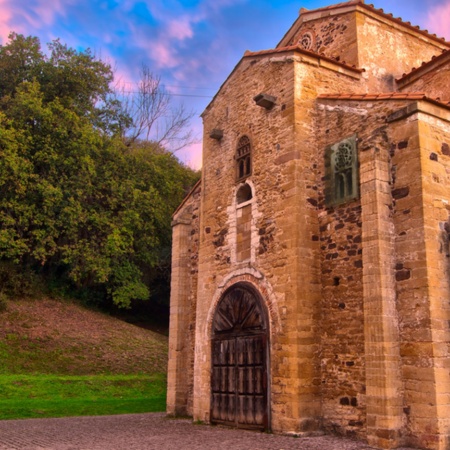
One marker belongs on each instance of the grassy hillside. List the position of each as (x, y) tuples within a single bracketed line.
[(60, 337), (60, 359)]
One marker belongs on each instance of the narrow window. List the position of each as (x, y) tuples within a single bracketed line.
[(243, 159), (241, 169), (340, 186)]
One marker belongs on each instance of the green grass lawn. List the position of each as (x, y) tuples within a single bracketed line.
[(59, 359), (29, 396)]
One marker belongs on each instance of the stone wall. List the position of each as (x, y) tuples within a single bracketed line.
[(342, 319), (387, 50), (400, 388), (432, 79), (183, 303), (421, 212), (356, 291), (362, 37), (335, 38), (283, 222)]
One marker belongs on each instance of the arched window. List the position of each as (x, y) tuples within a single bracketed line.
[(244, 194), (243, 159)]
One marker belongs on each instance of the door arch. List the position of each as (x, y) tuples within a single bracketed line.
[(239, 347)]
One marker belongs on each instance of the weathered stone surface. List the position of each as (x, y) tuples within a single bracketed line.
[(356, 291)]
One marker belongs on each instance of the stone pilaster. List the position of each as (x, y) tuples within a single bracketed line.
[(177, 379), (383, 381)]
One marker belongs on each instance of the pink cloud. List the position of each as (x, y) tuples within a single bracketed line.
[(6, 13), (161, 53), (437, 20), (217, 5), (180, 29), (38, 14), (46, 12), (191, 155)]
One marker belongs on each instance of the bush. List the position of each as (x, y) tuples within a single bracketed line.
[(16, 281)]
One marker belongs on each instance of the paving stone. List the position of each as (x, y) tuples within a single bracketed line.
[(148, 432)]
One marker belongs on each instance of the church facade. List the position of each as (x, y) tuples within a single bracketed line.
[(311, 263)]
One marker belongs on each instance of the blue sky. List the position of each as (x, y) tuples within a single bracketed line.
[(191, 44)]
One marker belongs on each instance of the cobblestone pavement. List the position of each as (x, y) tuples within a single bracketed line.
[(150, 431)]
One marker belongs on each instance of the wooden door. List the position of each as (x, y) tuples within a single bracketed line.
[(239, 361)]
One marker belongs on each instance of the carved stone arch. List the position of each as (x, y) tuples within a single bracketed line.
[(239, 359), (240, 310), (259, 283)]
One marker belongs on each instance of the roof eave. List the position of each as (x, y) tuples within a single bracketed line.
[(290, 49)]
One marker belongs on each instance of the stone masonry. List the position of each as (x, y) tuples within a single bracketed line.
[(337, 222)]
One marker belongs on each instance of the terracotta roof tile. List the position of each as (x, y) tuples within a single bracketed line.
[(400, 21), (386, 96), (375, 96), (379, 11), (426, 64), (335, 6)]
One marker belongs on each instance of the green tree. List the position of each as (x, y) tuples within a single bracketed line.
[(77, 200), (20, 60)]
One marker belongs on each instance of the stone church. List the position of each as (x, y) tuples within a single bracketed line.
[(311, 264)]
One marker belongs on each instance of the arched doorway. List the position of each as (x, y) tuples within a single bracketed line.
[(239, 392)]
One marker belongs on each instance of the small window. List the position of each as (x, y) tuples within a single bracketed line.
[(341, 166), (244, 194), (243, 159)]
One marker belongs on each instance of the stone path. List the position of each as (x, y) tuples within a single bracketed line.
[(148, 432)]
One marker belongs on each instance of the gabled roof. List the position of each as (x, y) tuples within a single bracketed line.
[(425, 67), (300, 49), (354, 71), (400, 21), (191, 192), (370, 7)]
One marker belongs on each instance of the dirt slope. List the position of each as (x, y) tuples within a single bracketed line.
[(52, 336)]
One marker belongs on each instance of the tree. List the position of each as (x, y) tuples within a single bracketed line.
[(20, 60), (153, 116), (76, 201)]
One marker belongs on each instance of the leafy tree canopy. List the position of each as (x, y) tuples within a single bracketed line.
[(77, 201)]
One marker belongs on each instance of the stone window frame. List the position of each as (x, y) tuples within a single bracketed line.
[(243, 158), (244, 197), (342, 174)]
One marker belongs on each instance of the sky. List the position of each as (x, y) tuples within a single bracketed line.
[(192, 45)]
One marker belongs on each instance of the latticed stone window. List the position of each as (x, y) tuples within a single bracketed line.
[(243, 159), (341, 166), (306, 41)]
